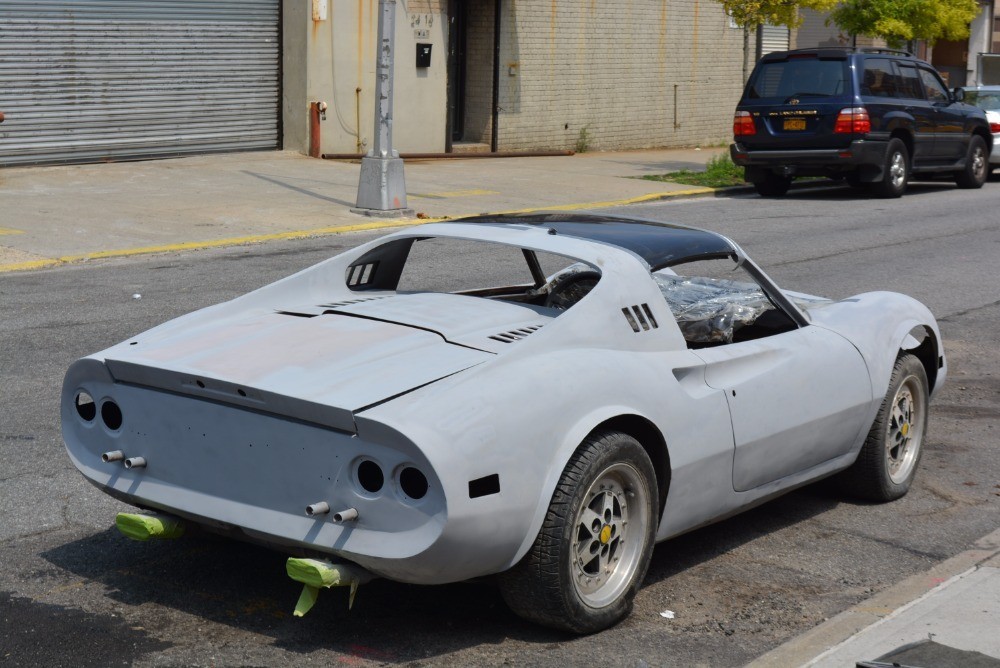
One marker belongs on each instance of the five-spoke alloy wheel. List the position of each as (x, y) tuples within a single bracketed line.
[(591, 555), (888, 460)]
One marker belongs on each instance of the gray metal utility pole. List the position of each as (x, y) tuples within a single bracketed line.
[(382, 187)]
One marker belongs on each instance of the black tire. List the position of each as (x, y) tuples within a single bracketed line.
[(772, 185), (888, 460), (895, 172), (601, 524), (977, 165)]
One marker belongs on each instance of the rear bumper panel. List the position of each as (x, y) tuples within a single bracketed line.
[(813, 162)]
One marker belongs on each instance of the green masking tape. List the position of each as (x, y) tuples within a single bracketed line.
[(144, 527)]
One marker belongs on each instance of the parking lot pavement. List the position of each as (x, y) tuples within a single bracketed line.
[(52, 215)]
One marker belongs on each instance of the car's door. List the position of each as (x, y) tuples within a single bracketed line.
[(796, 399), (915, 103), (798, 394), (950, 138)]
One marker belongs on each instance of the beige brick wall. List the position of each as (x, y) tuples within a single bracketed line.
[(610, 69)]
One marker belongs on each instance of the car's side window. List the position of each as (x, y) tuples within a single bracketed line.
[(879, 79), (936, 92), (717, 302), (909, 82)]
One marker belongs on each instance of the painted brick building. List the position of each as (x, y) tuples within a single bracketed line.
[(570, 74)]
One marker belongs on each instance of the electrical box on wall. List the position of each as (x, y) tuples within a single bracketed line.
[(423, 55), (319, 8)]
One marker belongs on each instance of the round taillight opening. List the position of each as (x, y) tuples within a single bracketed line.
[(413, 483), (370, 476), (85, 406), (111, 414)]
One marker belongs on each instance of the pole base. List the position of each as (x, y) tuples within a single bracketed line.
[(382, 186), (389, 213)]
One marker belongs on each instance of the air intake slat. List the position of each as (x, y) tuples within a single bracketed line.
[(515, 334), (640, 318)]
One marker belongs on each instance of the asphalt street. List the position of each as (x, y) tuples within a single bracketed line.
[(74, 592)]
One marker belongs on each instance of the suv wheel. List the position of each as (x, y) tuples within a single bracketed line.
[(770, 184), (976, 165), (896, 172)]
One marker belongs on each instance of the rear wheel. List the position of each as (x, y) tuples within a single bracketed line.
[(977, 167), (770, 184), (591, 555), (895, 172)]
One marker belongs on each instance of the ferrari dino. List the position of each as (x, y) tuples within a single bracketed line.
[(537, 397)]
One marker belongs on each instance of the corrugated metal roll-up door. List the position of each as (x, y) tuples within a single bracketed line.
[(92, 80), (773, 38)]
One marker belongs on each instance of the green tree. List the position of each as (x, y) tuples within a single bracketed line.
[(748, 14), (899, 21)]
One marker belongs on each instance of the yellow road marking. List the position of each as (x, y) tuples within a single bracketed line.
[(324, 231), (10, 230)]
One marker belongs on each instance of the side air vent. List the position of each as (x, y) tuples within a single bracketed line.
[(640, 318), (515, 334), (361, 274)]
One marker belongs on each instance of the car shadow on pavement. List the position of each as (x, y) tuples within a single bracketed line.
[(245, 586), (830, 191), (698, 547)]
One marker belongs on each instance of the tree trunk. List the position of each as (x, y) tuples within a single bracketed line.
[(746, 53)]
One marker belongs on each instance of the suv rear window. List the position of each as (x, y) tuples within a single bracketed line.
[(782, 80)]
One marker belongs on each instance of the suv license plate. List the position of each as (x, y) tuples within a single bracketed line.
[(795, 124)]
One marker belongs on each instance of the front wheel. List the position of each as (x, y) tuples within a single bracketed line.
[(977, 167), (888, 460), (895, 172), (586, 565)]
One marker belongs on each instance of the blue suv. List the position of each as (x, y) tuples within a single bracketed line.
[(870, 116)]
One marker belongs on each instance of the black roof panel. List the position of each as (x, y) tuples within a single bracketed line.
[(659, 244)]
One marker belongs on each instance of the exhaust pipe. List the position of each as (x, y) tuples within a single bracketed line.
[(113, 456), (348, 515), (135, 463), (321, 508)]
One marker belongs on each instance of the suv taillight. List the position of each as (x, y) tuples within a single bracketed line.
[(853, 120), (743, 124)]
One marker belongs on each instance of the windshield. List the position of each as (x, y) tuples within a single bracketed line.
[(799, 78), (988, 100)]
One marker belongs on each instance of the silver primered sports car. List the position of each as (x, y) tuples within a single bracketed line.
[(542, 397)]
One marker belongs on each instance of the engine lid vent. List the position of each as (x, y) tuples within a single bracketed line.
[(348, 302), (515, 334), (640, 318)]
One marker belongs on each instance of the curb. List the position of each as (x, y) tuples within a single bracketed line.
[(48, 263), (803, 649)]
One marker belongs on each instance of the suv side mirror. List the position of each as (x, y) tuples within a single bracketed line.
[(958, 94)]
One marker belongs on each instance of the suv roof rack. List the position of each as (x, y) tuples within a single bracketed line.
[(880, 49), (854, 49)]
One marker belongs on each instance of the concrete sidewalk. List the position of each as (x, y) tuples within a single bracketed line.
[(50, 215), (955, 604)]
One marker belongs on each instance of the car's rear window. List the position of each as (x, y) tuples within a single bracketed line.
[(988, 100), (799, 78)]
